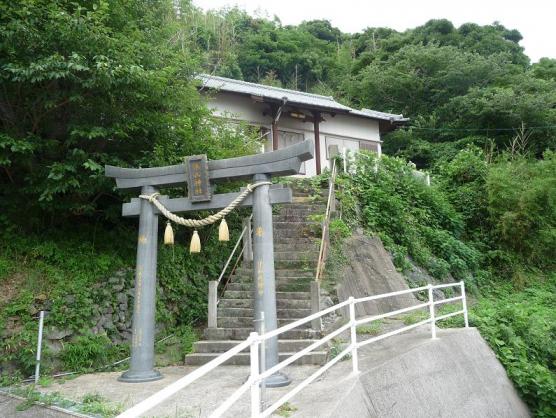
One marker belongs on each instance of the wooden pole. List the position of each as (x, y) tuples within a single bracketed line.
[(275, 135), (316, 122)]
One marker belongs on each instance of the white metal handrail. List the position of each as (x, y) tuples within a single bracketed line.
[(179, 384), (232, 253), (254, 341), (302, 321)]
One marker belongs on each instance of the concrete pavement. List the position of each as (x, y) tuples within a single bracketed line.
[(409, 375)]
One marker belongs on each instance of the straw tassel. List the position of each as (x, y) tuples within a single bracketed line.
[(168, 234), (223, 231), (195, 246)]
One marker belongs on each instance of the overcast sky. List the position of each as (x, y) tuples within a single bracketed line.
[(535, 19)]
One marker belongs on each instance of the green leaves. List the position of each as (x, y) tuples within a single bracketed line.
[(522, 207), (411, 218), (89, 84), (520, 327)]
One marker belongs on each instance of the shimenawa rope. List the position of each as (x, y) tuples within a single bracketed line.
[(196, 223)]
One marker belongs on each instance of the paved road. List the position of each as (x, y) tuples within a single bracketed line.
[(8, 405)]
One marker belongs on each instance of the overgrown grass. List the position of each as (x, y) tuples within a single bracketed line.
[(372, 328), (95, 404), (286, 410), (91, 404)]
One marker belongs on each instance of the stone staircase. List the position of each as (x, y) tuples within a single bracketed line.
[(296, 241)]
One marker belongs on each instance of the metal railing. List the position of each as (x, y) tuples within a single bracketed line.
[(239, 239), (247, 253), (323, 250), (254, 342)]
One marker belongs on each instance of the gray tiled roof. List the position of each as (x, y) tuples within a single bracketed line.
[(379, 115), (293, 96)]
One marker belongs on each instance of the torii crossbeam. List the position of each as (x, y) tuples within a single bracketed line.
[(259, 168)]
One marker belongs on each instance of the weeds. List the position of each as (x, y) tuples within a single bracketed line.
[(286, 410), (373, 328)]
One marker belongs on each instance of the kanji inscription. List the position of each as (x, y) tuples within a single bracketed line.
[(198, 183)]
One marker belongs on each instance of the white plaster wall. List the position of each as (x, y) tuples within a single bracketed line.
[(351, 129), (237, 107)]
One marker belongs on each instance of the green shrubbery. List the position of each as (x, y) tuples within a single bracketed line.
[(89, 352), (51, 267), (489, 223), (411, 219), (521, 328), (522, 208), (87, 84)]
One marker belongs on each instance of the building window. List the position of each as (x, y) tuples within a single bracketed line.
[(368, 146), (345, 146), (285, 139)]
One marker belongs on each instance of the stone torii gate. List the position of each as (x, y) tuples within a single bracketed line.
[(200, 176)]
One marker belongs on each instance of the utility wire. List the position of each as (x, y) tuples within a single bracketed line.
[(548, 127)]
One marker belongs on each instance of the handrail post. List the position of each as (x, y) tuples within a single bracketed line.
[(212, 303), (255, 384), (316, 323), (431, 311), (464, 302), (247, 240), (262, 360), (353, 331)]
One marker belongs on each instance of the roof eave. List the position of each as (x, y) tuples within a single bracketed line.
[(306, 106)]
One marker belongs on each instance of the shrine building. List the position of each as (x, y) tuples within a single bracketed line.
[(286, 117)]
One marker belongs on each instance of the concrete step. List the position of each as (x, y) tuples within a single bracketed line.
[(308, 241), (310, 193), (308, 198), (247, 273), (228, 302), (301, 212), (243, 333), (292, 255), (293, 218), (247, 321), (294, 246), (207, 346), (249, 312), (310, 264), (292, 225), (295, 233), (304, 206), (291, 286), (241, 294), (198, 359)]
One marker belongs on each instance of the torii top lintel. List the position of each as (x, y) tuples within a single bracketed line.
[(283, 162)]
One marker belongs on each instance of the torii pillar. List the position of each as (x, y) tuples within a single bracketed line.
[(264, 279), (258, 168)]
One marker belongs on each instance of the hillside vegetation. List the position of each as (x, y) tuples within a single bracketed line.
[(88, 83), (508, 265)]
